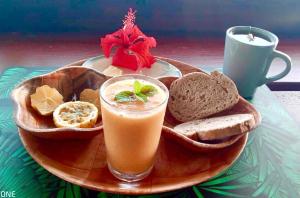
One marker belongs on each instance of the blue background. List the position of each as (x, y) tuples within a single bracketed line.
[(160, 17)]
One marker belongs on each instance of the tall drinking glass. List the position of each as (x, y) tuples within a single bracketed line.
[(132, 129)]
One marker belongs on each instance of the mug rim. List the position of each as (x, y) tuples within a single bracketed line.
[(272, 38)]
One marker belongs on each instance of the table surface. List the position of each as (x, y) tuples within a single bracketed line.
[(268, 167), (291, 102)]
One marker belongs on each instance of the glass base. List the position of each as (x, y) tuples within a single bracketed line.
[(129, 177)]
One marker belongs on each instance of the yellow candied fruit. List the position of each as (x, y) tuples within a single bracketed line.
[(45, 100), (92, 96)]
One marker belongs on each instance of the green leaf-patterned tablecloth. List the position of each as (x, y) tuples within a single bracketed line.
[(268, 167)]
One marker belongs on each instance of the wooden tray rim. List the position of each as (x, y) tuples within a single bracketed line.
[(137, 191), (187, 181)]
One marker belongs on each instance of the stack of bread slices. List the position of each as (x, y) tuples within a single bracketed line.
[(196, 97)]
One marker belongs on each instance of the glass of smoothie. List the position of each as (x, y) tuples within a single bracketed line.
[(133, 109)]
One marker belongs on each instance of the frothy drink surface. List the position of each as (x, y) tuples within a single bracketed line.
[(254, 41)]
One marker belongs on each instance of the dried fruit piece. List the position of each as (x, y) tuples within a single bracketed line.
[(45, 100), (76, 114), (92, 96)]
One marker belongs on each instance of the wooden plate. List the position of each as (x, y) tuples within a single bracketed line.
[(83, 162), (243, 106), (70, 82), (178, 165)]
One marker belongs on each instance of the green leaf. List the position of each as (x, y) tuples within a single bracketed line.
[(141, 92), (141, 97), (125, 96), (233, 187), (197, 192), (148, 90), (9, 79), (275, 188), (61, 193), (69, 192), (137, 86), (102, 195), (76, 191), (220, 192), (227, 178)]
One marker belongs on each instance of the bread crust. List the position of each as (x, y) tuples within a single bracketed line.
[(210, 128)]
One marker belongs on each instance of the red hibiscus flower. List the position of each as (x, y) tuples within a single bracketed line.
[(133, 47)]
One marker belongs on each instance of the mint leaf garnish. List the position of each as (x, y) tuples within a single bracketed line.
[(148, 90), (137, 86), (141, 97), (125, 96), (140, 93)]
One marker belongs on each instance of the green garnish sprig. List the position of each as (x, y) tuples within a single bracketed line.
[(140, 93)]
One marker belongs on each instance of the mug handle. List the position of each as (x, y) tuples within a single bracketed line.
[(287, 69)]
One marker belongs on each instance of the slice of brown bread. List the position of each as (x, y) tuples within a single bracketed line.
[(217, 127), (198, 95)]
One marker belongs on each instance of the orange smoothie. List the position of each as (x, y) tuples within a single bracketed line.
[(132, 129)]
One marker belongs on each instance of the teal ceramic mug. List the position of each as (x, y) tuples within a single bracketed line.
[(248, 54)]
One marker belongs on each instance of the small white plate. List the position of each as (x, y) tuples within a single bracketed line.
[(159, 69)]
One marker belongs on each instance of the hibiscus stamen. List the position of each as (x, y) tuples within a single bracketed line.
[(129, 19)]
